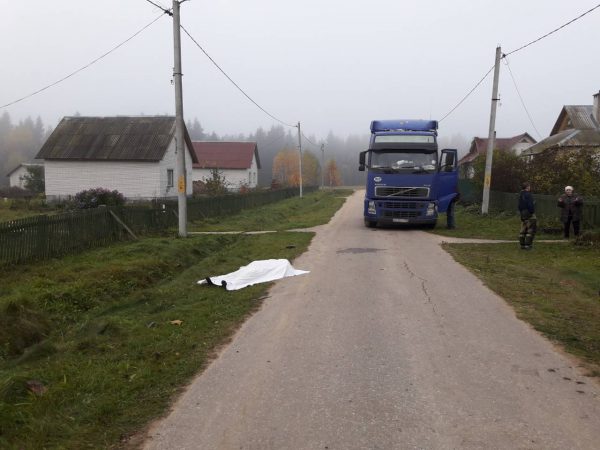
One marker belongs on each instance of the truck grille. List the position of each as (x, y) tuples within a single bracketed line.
[(402, 205), (401, 214), (392, 191)]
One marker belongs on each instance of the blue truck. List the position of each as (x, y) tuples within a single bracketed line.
[(408, 180)]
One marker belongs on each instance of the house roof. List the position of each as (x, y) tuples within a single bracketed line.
[(479, 146), (225, 155), (579, 117), (565, 139), (30, 164), (121, 138)]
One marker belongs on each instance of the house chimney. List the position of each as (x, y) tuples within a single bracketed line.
[(596, 108)]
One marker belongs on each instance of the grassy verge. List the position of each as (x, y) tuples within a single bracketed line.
[(310, 210), (555, 287), (495, 225), (12, 210), (90, 345), (95, 330)]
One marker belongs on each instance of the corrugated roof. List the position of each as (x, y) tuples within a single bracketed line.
[(122, 138), (225, 155), (567, 138), (579, 117), (479, 146)]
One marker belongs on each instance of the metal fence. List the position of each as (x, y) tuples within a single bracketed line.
[(545, 205), (47, 236)]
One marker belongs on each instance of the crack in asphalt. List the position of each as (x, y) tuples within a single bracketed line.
[(423, 287)]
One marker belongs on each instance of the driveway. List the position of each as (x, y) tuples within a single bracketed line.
[(387, 344)]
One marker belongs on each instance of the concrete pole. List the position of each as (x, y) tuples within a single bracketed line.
[(322, 166), (300, 149), (487, 180), (179, 124)]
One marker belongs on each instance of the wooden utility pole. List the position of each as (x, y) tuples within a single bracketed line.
[(179, 124), (487, 180), (322, 166), (300, 150)]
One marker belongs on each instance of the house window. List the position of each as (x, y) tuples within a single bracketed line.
[(170, 178)]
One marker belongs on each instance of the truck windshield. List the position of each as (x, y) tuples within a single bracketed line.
[(403, 161)]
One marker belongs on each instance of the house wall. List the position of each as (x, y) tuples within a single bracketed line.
[(519, 147), (16, 178), (235, 178), (134, 179)]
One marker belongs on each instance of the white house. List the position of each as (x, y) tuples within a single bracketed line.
[(134, 155), (16, 176), (238, 162)]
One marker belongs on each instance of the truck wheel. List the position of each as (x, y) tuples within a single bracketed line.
[(430, 226), (370, 223)]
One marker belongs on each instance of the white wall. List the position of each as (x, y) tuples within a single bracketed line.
[(134, 179), (234, 178), (16, 178)]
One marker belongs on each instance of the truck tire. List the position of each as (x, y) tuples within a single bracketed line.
[(429, 226), (370, 223)]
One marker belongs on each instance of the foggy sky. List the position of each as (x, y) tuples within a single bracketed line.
[(334, 65)]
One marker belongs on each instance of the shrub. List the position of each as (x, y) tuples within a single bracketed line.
[(92, 198)]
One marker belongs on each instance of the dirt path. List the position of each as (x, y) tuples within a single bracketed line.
[(386, 344)]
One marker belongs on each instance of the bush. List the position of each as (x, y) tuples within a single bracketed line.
[(92, 198)]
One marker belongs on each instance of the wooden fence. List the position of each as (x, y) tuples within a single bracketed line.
[(545, 205), (47, 236)]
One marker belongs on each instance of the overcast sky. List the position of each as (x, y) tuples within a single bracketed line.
[(331, 64)]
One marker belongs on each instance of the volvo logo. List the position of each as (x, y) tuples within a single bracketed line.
[(377, 179)]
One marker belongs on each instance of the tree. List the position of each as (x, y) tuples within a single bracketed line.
[(286, 168), (213, 186), (552, 170), (332, 175), (508, 171), (34, 179)]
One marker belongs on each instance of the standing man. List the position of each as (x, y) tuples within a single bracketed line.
[(570, 205), (526, 208)]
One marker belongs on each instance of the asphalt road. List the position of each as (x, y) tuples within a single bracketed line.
[(387, 344)]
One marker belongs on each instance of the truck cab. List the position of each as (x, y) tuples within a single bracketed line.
[(408, 180)]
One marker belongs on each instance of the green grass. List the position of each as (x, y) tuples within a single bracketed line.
[(95, 330), (12, 210), (555, 287), (470, 223), (312, 209)]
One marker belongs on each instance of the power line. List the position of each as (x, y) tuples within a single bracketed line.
[(522, 101), (468, 94), (234, 83), (82, 68), (162, 8), (309, 141), (554, 31)]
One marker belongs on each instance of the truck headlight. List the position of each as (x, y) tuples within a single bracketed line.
[(371, 209), (431, 209)]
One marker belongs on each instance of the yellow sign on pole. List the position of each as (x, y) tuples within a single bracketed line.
[(487, 181), (181, 184)]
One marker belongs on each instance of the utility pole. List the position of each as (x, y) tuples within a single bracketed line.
[(322, 166), (487, 180), (300, 149), (179, 124)]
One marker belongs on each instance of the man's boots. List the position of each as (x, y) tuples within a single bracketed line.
[(528, 242), (522, 241)]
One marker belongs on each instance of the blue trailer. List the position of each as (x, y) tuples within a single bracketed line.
[(408, 181)]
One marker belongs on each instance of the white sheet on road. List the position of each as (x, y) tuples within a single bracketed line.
[(256, 272)]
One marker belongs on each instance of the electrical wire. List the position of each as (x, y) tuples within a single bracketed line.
[(83, 67), (520, 97), (553, 31), (162, 8), (468, 94), (234, 83), (309, 141)]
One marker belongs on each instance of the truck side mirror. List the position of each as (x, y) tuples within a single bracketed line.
[(361, 161)]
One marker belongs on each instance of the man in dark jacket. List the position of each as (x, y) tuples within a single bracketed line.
[(526, 208), (570, 205)]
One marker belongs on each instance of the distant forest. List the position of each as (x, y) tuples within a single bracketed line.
[(20, 142)]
